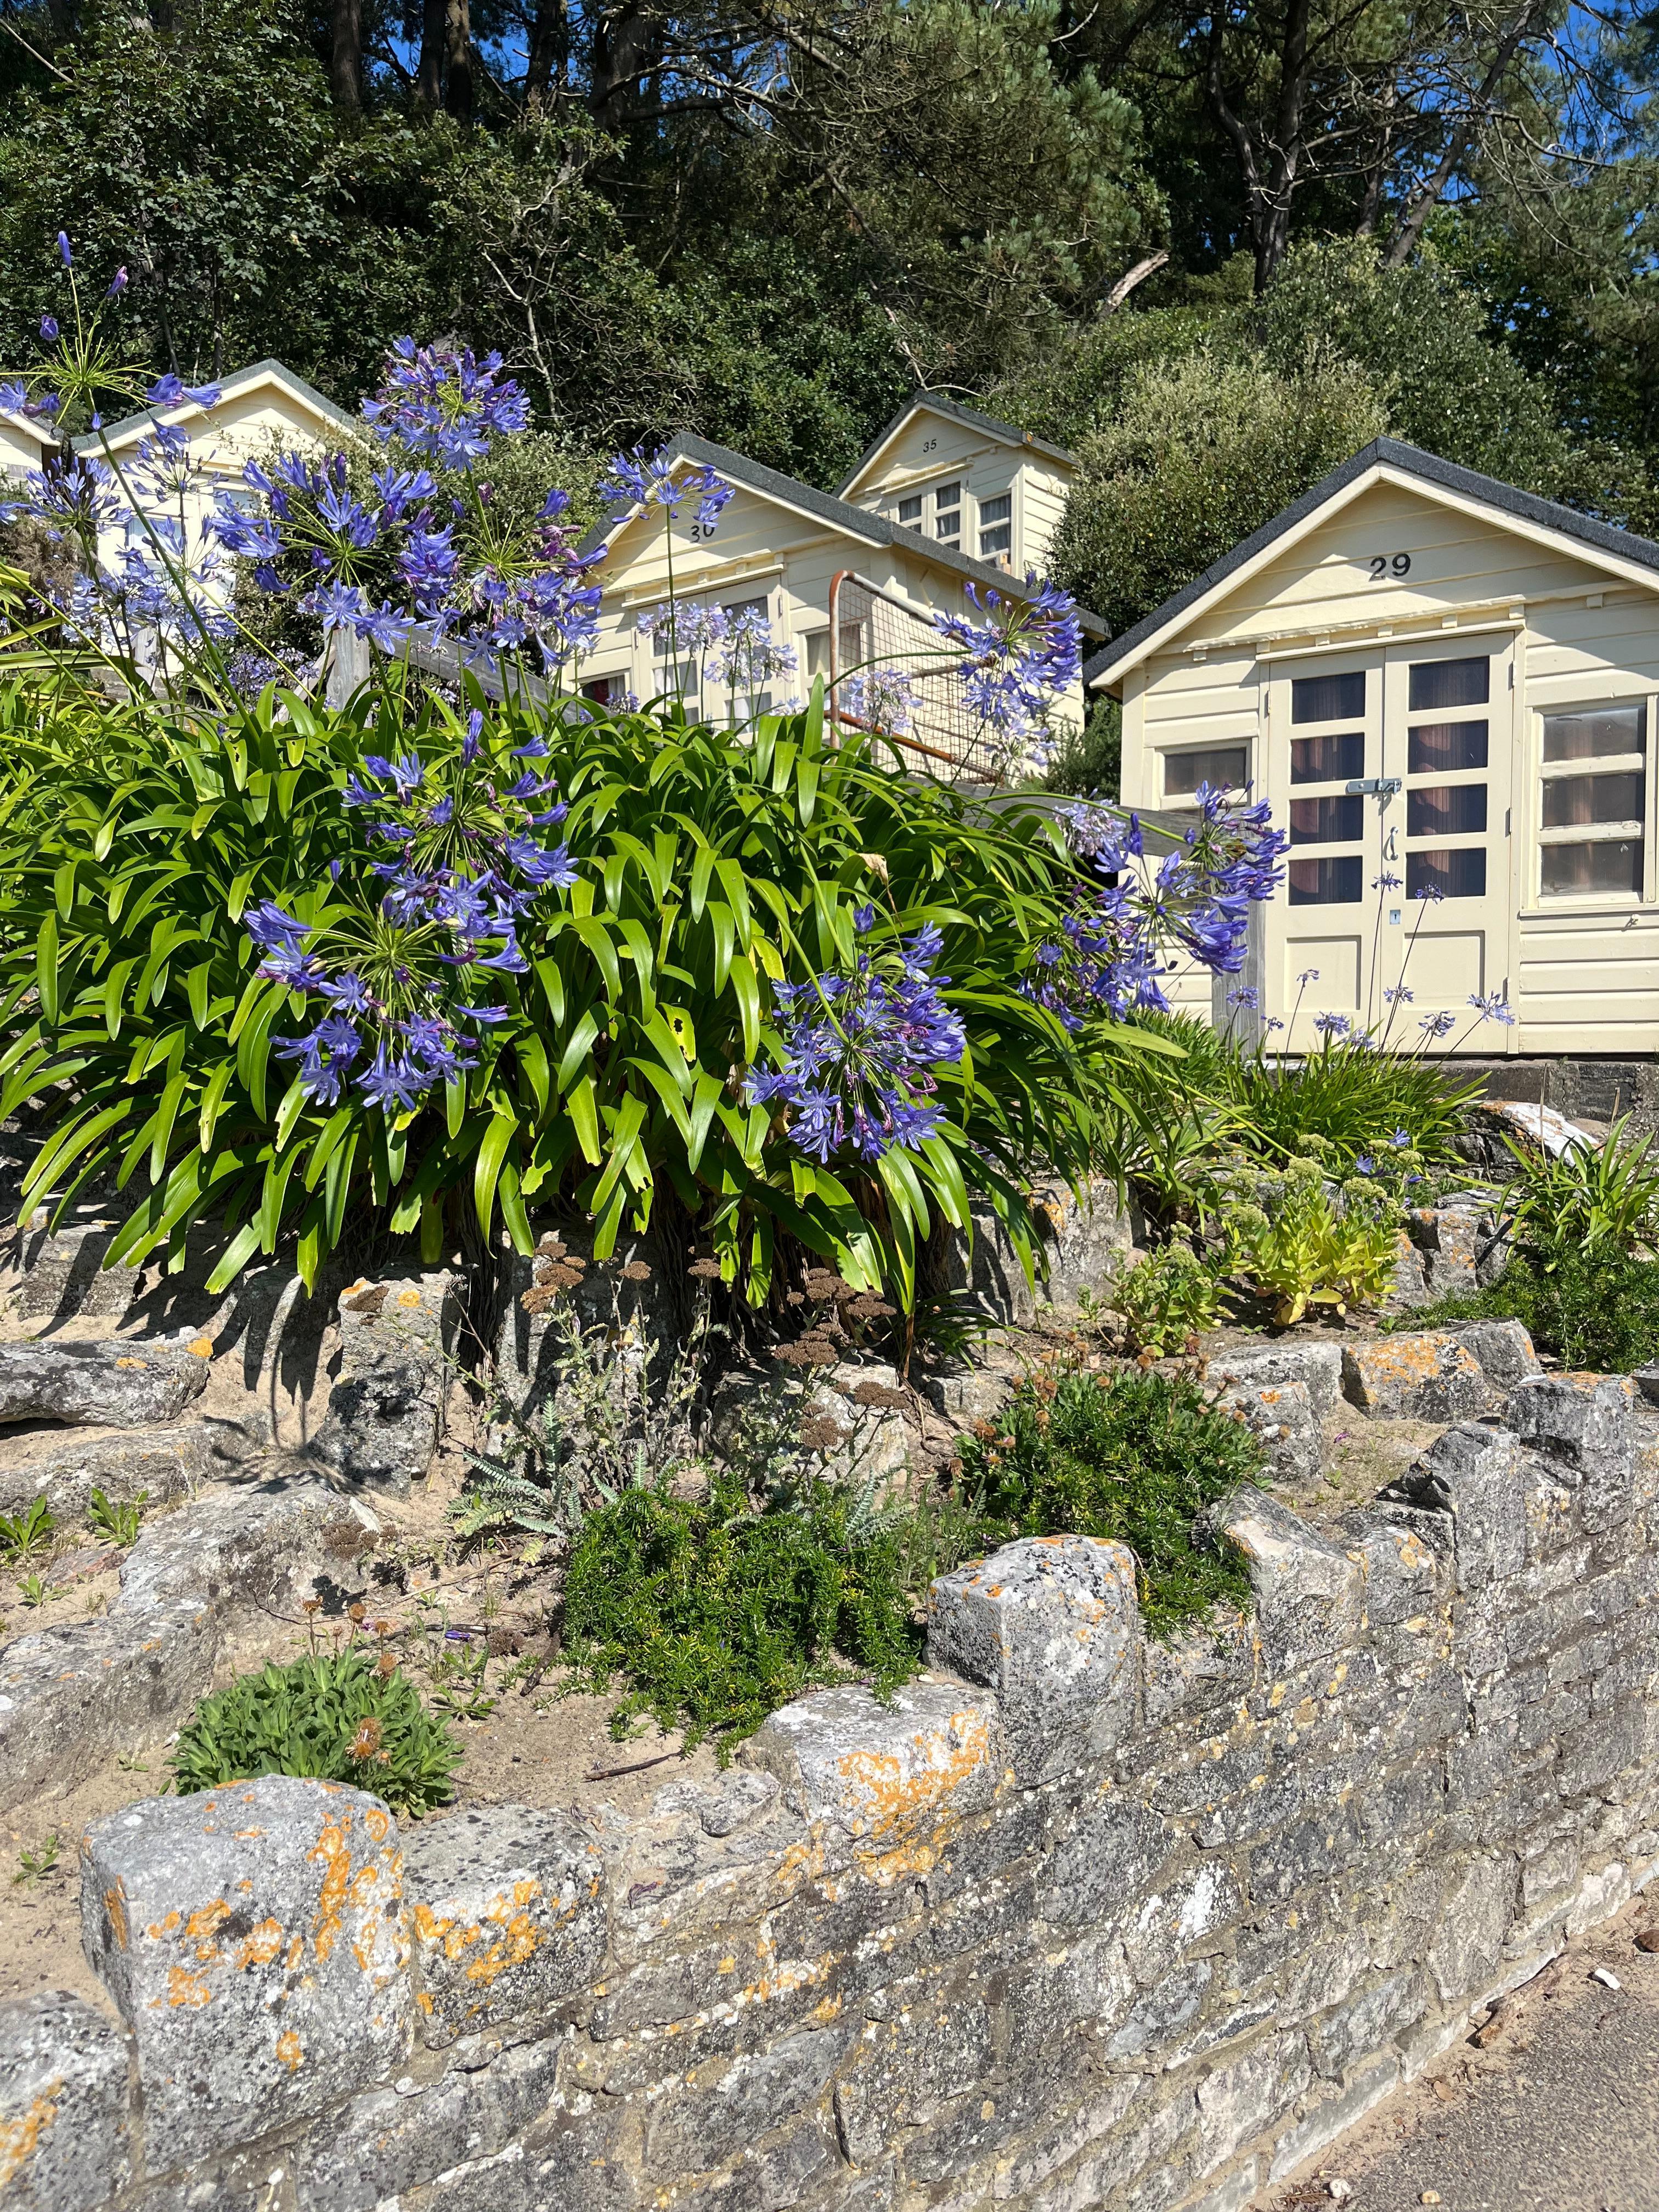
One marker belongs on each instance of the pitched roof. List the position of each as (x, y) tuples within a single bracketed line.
[(1407, 461), (824, 507), (230, 388), (954, 411)]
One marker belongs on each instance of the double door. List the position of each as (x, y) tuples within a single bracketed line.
[(1393, 767)]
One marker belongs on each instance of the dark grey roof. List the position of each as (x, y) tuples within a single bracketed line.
[(147, 415), (959, 413), (1410, 460), (857, 521)]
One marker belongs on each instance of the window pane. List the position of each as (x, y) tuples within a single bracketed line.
[(1446, 810), (1439, 684), (1336, 882), (998, 509), (1328, 821), (1443, 748), (949, 528), (1328, 760), (1218, 764), (1591, 736), (1614, 865), (909, 512), (1570, 800), (947, 496), (992, 542), (1453, 874), (1328, 698)]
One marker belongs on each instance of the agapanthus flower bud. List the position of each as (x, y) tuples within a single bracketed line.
[(63, 249), (49, 328), (118, 284)]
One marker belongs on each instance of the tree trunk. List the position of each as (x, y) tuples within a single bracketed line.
[(429, 79), (457, 59), (550, 52), (626, 48), (345, 67)]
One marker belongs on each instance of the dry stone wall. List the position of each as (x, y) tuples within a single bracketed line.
[(1081, 1920)]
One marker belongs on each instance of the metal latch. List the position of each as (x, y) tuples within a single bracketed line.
[(1375, 786)]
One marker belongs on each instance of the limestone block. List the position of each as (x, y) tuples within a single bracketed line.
[(1408, 1287), (509, 1915), (1477, 1475), (1582, 1421), (121, 1463), (385, 1405), (883, 1774), (244, 1549), (1085, 1240), (1317, 1367), (63, 2117), (980, 1392), (1474, 1920), (254, 1939), (126, 1384), (1309, 1594), (64, 1273), (1052, 1627), (1280, 1415), (1503, 1350), (1427, 1377), (704, 2122)]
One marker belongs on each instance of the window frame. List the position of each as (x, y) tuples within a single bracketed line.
[(1641, 832), (1181, 801)]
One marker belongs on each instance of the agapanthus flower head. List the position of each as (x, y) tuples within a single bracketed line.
[(118, 284), (49, 329), (1397, 994), (1309, 975), (680, 627), (880, 698), (444, 404), (1023, 652), (663, 479), (1494, 1007), (1431, 894), (171, 391), (63, 249), (1333, 1025), (1437, 1025)]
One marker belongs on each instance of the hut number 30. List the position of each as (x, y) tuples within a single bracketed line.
[(1384, 565)]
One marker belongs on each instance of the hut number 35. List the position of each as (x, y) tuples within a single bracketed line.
[(1384, 565)]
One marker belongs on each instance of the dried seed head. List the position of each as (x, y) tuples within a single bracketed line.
[(821, 1434), (705, 1271), (879, 1394), (312, 1605), (359, 1611), (366, 1744), (636, 1271), (386, 1666)]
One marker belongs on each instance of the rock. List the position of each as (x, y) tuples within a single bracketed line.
[(1475, 1474), (853, 1420), (1540, 1127), (1581, 1419), (1052, 1627), (979, 1394), (1085, 1240), (253, 1938), (385, 1405), (1408, 1286), (1503, 1350), (1309, 1596), (509, 1917), (1648, 1940), (120, 1462), (127, 1383), (1317, 1367), (64, 1274), (1428, 1377), (1280, 1415), (1646, 1380), (879, 1772), (63, 2119), (73, 1696)]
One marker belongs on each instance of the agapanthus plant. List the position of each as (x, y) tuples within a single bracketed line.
[(400, 962), (1020, 657), (858, 1051), (1141, 923)]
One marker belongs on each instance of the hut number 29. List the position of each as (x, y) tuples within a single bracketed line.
[(1383, 566)]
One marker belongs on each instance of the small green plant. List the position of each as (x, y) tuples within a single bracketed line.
[(716, 1614), (1297, 1249), (33, 1866), (1597, 1311), (1136, 1457), (1166, 1301), (27, 1534), (1592, 1197), (34, 1590), (456, 1669), (339, 1717), (119, 1522)]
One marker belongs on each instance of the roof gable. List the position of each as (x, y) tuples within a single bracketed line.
[(950, 410), (1386, 461), (270, 378), (825, 509)]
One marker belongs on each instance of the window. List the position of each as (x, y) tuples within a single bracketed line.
[(1593, 803), (1338, 881), (996, 528), (1445, 748), (1328, 698), (1446, 810), (1340, 821), (1438, 684), (605, 690), (1215, 765), (909, 513), (947, 514), (1454, 872), (1328, 760)]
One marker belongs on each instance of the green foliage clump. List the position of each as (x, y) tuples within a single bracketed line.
[(1135, 1457), (334, 1717), (717, 1614), (1590, 1198), (27, 1534), (1297, 1247), (1597, 1311), (1169, 1297), (1354, 1097)]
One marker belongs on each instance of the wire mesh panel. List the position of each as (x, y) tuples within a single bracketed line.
[(892, 673)]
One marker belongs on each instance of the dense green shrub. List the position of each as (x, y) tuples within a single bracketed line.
[(1170, 1296), (134, 843), (1135, 1457), (715, 1614), (333, 1715), (1594, 1310)]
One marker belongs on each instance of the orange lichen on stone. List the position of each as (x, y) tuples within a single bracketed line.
[(409, 1298), (379, 1824), (187, 1989), (289, 2050), (163, 1927), (203, 1924), (20, 2139), (883, 1797), (331, 1850), (258, 1948), (115, 1903)]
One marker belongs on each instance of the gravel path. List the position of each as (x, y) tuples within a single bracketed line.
[(1558, 2113)]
